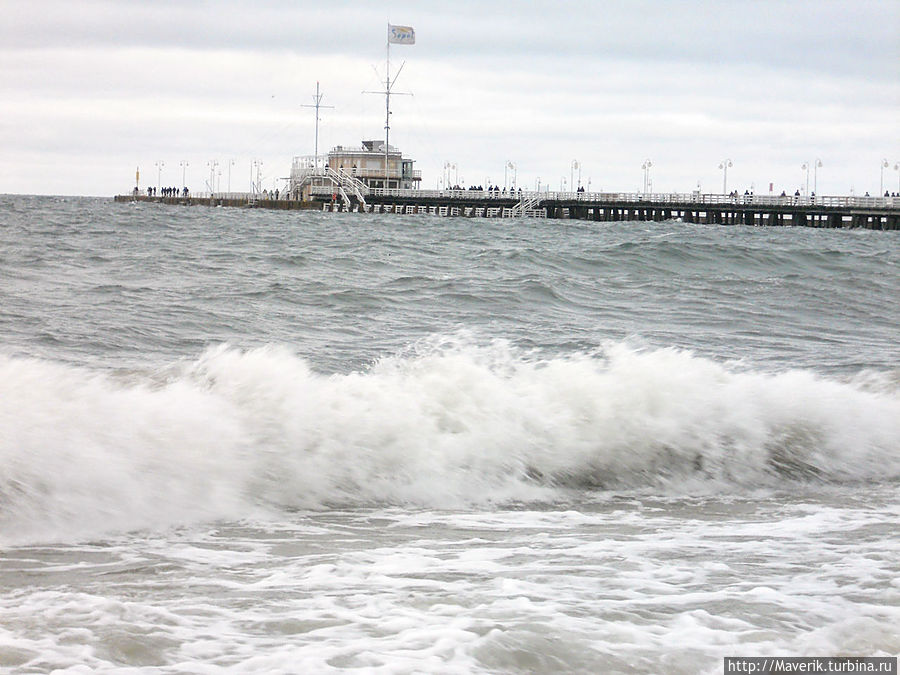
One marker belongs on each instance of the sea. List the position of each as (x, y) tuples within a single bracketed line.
[(254, 441)]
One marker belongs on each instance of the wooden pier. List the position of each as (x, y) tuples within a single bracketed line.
[(874, 213), (233, 199), (831, 212), (877, 213)]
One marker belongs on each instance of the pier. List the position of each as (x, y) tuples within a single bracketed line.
[(233, 199), (874, 213)]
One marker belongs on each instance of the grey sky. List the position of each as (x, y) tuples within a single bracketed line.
[(89, 90)]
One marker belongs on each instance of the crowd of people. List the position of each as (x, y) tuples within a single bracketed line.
[(493, 189), (496, 190), (165, 192)]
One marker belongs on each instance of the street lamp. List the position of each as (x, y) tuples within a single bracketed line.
[(897, 168), (230, 164), (805, 167), (255, 164), (212, 164), (725, 165), (184, 165), (509, 165), (646, 167), (447, 167), (575, 165), (884, 165), (816, 165), (159, 167)]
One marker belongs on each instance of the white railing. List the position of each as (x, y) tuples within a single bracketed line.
[(305, 167), (683, 198), (348, 179), (379, 173), (720, 199), (444, 194), (239, 196)]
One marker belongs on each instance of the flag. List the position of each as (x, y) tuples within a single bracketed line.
[(401, 35)]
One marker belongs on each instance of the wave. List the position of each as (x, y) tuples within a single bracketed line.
[(446, 423)]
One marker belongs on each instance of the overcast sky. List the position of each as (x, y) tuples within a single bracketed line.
[(92, 89)]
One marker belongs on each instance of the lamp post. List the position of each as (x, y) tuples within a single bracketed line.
[(575, 165), (184, 165), (897, 168), (509, 165), (212, 164), (816, 165), (230, 164), (725, 165), (805, 167), (159, 167), (646, 167), (884, 165), (447, 167), (255, 164)]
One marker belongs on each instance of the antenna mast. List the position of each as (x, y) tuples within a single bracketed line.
[(318, 104), (388, 90)]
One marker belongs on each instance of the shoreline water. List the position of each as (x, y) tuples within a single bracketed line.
[(255, 440)]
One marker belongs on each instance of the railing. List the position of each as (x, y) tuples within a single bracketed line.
[(693, 198), (721, 200), (305, 166), (347, 178), (379, 173), (444, 194), (238, 196)]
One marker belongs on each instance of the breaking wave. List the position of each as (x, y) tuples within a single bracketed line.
[(444, 424)]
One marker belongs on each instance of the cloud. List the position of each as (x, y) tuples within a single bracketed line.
[(770, 83)]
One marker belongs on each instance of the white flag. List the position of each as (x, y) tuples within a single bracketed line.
[(401, 35)]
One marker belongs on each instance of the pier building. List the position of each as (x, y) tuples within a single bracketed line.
[(356, 170)]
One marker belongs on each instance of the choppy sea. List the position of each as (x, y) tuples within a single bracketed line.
[(296, 442)]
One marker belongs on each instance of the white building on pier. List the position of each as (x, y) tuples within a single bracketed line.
[(368, 166)]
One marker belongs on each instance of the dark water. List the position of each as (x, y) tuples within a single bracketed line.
[(293, 442)]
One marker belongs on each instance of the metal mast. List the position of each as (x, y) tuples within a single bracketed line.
[(318, 104), (388, 90), (387, 105)]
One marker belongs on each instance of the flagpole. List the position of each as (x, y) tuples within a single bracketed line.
[(407, 37), (387, 106)]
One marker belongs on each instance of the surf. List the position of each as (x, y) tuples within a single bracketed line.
[(445, 423)]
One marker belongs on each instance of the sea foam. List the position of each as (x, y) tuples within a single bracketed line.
[(446, 423)]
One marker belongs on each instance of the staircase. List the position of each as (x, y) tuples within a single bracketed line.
[(526, 206), (348, 183)]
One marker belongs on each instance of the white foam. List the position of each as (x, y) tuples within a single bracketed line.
[(448, 423), (613, 589)]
